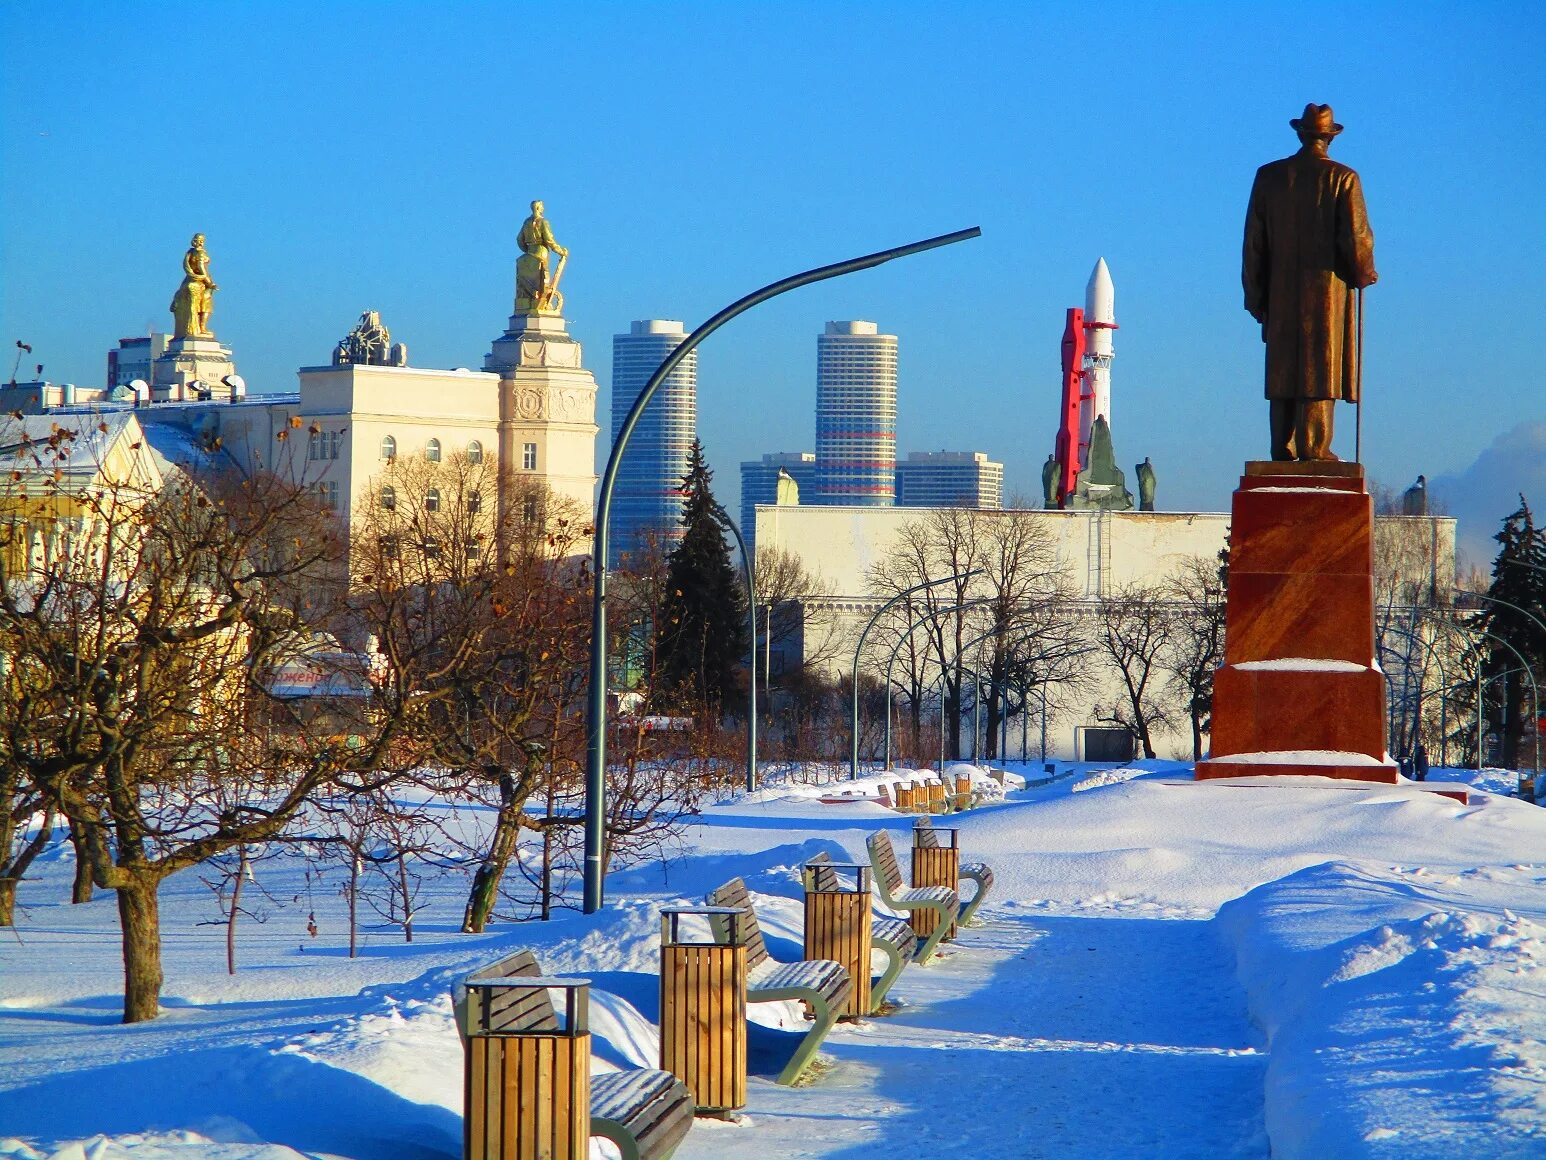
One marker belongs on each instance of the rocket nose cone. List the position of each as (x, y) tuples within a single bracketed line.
[(1099, 295)]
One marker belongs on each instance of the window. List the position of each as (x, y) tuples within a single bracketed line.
[(432, 451), (325, 445), (389, 550), (432, 500), (474, 453), (328, 490), (474, 550), (432, 549), (529, 509), (388, 448), (388, 497), (528, 457), (475, 503)]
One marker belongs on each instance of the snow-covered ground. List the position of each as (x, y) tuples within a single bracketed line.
[(1165, 968)]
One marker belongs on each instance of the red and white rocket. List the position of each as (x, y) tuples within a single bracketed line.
[(1087, 358), (1100, 319)]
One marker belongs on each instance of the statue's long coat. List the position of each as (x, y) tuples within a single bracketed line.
[(1307, 247)]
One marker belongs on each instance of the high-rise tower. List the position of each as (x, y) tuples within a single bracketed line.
[(855, 415), (647, 495)]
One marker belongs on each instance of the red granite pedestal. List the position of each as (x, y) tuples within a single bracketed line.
[(1300, 691)]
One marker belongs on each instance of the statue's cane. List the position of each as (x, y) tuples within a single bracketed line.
[(1358, 406)]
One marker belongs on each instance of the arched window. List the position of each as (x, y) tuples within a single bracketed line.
[(388, 448), (432, 451), (475, 452), (388, 497), (432, 500)]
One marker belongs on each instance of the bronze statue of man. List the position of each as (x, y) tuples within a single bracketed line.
[(1308, 247)]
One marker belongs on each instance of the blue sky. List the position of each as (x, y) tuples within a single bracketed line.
[(350, 156)]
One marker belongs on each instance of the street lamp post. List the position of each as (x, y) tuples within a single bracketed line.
[(926, 614), (853, 754), (1530, 672), (749, 575), (596, 708)]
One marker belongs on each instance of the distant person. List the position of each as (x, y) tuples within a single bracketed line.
[(1420, 762)]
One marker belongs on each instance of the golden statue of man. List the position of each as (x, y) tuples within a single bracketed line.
[(1308, 248), (536, 281), (194, 301)]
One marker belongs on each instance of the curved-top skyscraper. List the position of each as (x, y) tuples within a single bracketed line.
[(855, 416), (647, 495)]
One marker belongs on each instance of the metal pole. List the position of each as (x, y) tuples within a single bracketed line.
[(853, 756), (976, 718), (1044, 721), (596, 708), (1478, 714), (1358, 406), (747, 574)]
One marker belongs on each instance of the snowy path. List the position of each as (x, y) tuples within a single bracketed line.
[(1040, 1036)]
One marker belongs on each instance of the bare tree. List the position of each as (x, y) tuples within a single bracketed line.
[(1134, 629), (497, 615), (1195, 640), (141, 648)]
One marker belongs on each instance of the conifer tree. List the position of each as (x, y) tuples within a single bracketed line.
[(1519, 579), (701, 629)]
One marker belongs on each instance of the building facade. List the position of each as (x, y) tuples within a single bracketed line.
[(759, 484), (1100, 554), (966, 479), (855, 416), (647, 495)]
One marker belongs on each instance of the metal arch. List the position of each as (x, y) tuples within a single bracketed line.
[(596, 707)]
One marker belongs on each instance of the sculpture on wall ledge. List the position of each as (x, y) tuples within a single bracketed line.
[(1102, 484), (1051, 472), (536, 278), (1308, 248), (194, 301), (370, 344), (1146, 482)]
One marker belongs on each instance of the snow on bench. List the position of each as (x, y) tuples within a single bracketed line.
[(925, 835), (888, 880), (821, 983), (645, 1113), (892, 937)]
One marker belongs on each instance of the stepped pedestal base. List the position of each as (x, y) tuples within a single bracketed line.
[(1300, 692)]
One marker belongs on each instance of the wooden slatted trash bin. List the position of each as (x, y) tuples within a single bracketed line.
[(936, 862), (839, 924), (938, 803), (527, 1074), (703, 1004), (963, 792)]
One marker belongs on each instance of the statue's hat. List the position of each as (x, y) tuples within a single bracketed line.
[(1317, 120)]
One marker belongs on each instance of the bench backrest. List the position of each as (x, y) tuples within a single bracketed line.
[(512, 1009), (883, 859), (824, 875), (734, 893)]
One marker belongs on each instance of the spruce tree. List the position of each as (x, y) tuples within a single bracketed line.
[(1518, 579), (701, 629)]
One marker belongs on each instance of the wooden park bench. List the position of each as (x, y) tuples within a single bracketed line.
[(820, 983), (981, 873), (646, 1113), (888, 880), (892, 937)]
